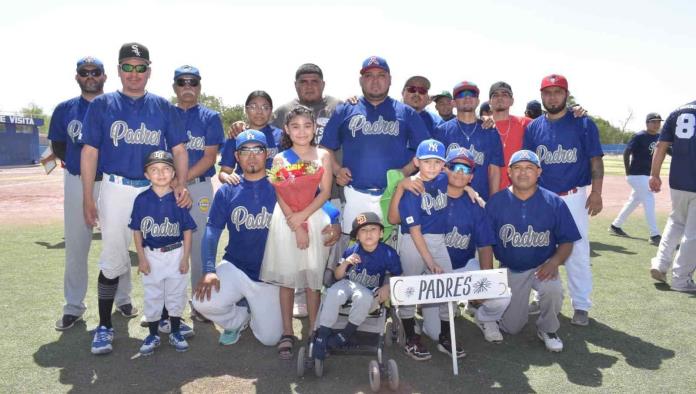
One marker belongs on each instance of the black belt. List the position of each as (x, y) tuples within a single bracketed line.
[(167, 248)]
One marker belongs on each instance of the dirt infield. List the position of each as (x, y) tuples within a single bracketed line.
[(29, 196)]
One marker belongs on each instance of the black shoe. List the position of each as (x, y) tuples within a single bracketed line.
[(617, 231), (127, 310), (415, 349), (445, 346), (67, 321), (655, 240)]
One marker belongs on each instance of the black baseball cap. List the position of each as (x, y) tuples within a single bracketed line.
[(159, 156), (653, 116), (534, 108), (485, 107), (308, 68), (500, 85), (363, 220), (133, 49)]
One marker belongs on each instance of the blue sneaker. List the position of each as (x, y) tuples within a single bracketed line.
[(151, 342), (178, 341), (336, 341), (103, 338), (230, 337), (165, 327)]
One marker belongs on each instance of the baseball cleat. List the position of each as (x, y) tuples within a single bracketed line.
[(551, 340), (67, 321), (491, 332), (178, 341), (102, 341), (230, 337), (148, 347), (658, 275), (613, 230), (415, 349), (580, 318), (444, 345), (127, 310), (655, 240), (165, 327)]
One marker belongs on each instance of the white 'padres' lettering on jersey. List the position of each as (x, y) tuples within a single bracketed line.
[(455, 240), (370, 281), (479, 157), (528, 239), (167, 229), (195, 143), (241, 216), (559, 156), (74, 130), (141, 136), (380, 126), (428, 202)]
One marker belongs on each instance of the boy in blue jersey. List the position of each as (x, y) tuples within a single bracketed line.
[(162, 235), (422, 241), (361, 278), (536, 232)]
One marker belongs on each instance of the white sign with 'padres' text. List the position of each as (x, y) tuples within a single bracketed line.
[(456, 286)]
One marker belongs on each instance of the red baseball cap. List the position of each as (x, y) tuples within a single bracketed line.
[(554, 80), (465, 85)]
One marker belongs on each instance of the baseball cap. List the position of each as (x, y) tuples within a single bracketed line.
[(420, 78), (444, 93), (431, 149), (374, 62), (89, 61), (524, 155), (500, 85), (484, 107), (134, 49), (363, 220), (250, 135), (308, 68), (465, 85), (554, 80), (653, 116), (463, 154), (159, 156), (534, 106), (186, 70)]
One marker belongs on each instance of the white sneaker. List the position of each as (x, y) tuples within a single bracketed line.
[(491, 332), (165, 327), (551, 340)]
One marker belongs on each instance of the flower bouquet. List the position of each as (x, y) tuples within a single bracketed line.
[(296, 183)]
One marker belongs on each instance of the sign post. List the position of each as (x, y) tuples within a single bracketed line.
[(455, 286)]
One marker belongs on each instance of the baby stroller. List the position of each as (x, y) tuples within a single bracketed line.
[(370, 339)]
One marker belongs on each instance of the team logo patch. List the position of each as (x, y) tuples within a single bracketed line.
[(409, 220), (204, 204), (361, 219)]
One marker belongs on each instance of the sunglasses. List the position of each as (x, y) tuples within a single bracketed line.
[(90, 73), (140, 68), (190, 82), (459, 167), (417, 89), (466, 93), (256, 150)]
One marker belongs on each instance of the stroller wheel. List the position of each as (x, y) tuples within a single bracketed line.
[(318, 367), (301, 362), (375, 380), (393, 374)]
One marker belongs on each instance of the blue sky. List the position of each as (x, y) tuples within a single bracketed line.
[(618, 56)]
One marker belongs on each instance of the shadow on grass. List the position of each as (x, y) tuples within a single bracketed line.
[(61, 245), (602, 247)]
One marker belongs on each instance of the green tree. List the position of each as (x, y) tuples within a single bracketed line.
[(608, 133), (34, 111), (229, 114)]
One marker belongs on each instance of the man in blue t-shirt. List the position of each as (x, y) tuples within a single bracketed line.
[(535, 235), (678, 133), (637, 160)]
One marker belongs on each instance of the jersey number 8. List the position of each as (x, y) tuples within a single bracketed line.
[(685, 126)]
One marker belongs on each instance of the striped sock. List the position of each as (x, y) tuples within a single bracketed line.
[(106, 292)]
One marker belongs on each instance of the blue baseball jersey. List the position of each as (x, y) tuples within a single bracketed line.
[(431, 120), (160, 220), (468, 228), (679, 129), (66, 126), (246, 210), (272, 134), (426, 210), (374, 139), (203, 127), (127, 130), (529, 232), (373, 266), (483, 143), (565, 147), (642, 145)]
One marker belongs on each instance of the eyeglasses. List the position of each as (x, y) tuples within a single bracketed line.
[(459, 167), (246, 151), (140, 68), (256, 108), (90, 73), (417, 89), (186, 81), (465, 93)]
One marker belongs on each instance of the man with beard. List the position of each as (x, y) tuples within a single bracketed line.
[(571, 159), (415, 94), (64, 131)]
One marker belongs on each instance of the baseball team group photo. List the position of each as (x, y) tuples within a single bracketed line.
[(408, 236)]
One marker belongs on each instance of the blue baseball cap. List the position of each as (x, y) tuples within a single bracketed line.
[(186, 70), (250, 135), (431, 149), (463, 154), (374, 62), (524, 155), (89, 61)]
